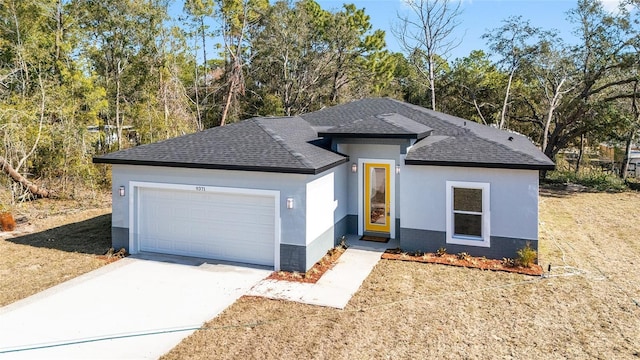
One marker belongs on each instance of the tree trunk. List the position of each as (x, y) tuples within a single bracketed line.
[(627, 155), (432, 82), (15, 176), (165, 105), (59, 29), (475, 103), (552, 106), (195, 88), (206, 73), (118, 120), (506, 100), (632, 133), (334, 89), (579, 160), (227, 103)]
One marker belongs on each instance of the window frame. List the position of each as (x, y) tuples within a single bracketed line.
[(485, 239)]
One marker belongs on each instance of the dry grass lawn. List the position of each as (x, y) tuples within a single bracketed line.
[(60, 241), (588, 307)]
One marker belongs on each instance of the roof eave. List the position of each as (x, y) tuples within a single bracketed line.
[(370, 135), (284, 170), (482, 165)]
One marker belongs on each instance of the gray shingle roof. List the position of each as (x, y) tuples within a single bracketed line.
[(291, 145), (259, 144), (379, 126), (453, 142)]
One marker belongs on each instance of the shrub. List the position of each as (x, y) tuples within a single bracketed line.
[(343, 242), (441, 251), (508, 262), (463, 256), (526, 256), (593, 179)]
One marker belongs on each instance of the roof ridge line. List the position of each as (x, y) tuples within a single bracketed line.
[(278, 139), (389, 121)]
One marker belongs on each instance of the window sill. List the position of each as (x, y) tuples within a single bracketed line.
[(468, 241)]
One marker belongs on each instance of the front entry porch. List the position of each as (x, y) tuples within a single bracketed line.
[(353, 241)]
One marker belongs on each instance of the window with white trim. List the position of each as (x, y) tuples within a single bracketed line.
[(468, 219)]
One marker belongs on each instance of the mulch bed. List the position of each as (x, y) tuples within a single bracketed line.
[(466, 261), (315, 273)]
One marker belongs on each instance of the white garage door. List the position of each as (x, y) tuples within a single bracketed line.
[(225, 226)]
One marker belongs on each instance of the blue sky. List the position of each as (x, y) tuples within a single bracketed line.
[(477, 17)]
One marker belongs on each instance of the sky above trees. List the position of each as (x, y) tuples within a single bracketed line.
[(476, 17)]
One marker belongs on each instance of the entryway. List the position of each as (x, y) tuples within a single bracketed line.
[(376, 215)]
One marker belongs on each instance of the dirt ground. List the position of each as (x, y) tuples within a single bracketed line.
[(589, 306), (56, 240)]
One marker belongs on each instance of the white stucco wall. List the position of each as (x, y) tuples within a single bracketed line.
[(326, 201), (369, 151), (293, 229), (514, 198)]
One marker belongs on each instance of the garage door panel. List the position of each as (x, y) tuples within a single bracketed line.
[(226, 226)]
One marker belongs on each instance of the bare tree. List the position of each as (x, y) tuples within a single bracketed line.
[(27, 188), (427, 31), (236, 16), (555, 73), (515, 43)]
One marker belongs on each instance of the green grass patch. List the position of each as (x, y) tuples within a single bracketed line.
[(590, 178)]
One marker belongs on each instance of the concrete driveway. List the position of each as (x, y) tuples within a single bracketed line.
[(134, 308)]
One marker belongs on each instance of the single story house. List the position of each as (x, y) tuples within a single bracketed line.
[(280, 191)]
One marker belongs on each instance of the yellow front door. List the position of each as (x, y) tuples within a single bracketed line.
[(377, 198)]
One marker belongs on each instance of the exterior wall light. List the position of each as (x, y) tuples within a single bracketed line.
[(397, 169), (354, 168), (121, 191), (289, 203)]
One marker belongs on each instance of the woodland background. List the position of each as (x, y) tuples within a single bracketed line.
[(79, 78)]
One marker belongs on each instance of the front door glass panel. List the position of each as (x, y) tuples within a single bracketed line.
[(377, 198)]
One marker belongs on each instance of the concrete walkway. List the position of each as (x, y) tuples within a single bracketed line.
[(131, 309), (336, 287), (141, 307)]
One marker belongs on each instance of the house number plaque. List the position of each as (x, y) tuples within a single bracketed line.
[(201, 188)]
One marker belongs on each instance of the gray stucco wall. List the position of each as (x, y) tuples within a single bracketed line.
[(119, 238), (300, 245), (352, 224), (431, 241), (513, 205), (289, 185), (302, 258), (293, 258), (341, 228), (513, 209)]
